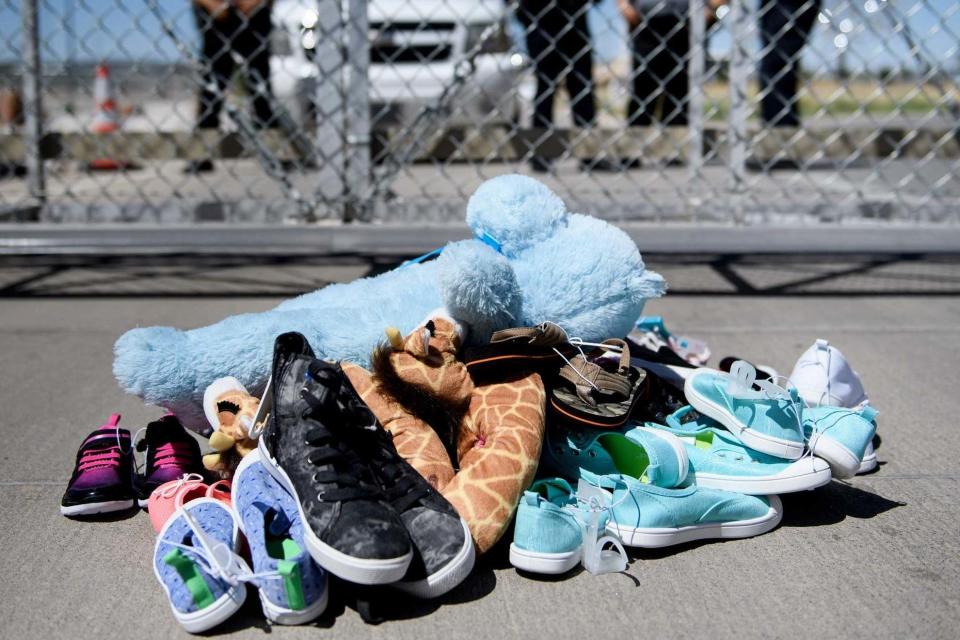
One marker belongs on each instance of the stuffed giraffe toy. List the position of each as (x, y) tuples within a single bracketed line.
[(477, 444)]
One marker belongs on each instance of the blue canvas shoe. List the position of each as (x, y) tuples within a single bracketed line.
[(195, 559), (719, 461), (644, 515), (293, 588), (547, 537), (659, 458), (555, 531), (840, 436), (768, 420)]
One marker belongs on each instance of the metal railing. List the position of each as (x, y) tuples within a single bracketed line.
[(296, 111)]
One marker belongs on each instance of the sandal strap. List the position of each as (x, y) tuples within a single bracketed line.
[(542, 335), (586, 376)]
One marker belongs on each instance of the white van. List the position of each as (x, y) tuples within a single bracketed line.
[(414, 46)]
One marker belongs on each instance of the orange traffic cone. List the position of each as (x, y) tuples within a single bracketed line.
[(105, 118)]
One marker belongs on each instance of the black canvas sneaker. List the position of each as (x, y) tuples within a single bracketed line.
[(313, 445)]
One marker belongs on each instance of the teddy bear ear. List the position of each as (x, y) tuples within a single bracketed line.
[(216, 389), (513, 212)]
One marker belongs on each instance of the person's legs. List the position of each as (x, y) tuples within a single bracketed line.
[(547, 67), (676, 79), (784, 28), (652, 64), (253, 44), (217, 66), (578, 58)]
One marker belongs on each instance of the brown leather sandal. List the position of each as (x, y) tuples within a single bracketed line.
[(595, 391)]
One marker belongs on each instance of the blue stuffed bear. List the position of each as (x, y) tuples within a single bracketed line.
[(531, 261)]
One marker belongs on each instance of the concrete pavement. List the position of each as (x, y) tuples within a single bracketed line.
[(875, 557)]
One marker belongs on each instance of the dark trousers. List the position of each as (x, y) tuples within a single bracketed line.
[(661, 46), (248, 37), (560, 49), (784, 28)]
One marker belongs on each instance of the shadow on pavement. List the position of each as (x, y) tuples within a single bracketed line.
[(831, 504), (213, 276)]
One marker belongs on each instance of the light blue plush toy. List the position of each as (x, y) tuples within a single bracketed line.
[(531, 261)]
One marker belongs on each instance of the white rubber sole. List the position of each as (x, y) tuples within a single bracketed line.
[(143, 504), (665, 537), (545, 563), (281, 615), (843, 461), (448, 577), (869, 462), (771, 445), (94, 508), (357, 570), (802, 475), (224, 607)]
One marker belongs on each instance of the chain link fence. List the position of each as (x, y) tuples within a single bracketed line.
[(756, 111)]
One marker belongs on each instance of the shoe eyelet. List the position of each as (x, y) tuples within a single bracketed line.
[(592, 454)]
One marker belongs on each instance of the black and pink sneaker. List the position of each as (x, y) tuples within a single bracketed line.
[(171, 452), (102, 480)]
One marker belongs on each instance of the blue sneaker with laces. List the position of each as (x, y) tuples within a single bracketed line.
[(293, 588), (840, 436), (762, 415), (719, 461), (644, 515), (195, 559)]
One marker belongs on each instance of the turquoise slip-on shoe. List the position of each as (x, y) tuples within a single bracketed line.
[(547, 537), (840, 436), (719, 461), (643, 515), (658, 458), (769, 420), (556, 529)]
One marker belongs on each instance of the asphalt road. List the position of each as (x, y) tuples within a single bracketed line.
[(875, 557)]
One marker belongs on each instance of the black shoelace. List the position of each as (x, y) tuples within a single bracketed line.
[(362, 443)]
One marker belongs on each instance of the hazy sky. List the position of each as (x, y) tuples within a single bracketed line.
[(126, 29)]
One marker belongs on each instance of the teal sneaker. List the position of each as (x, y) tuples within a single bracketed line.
[(769, 420), (547, 537), (644, 515), (719, 461), (657, 458), (840, 436), (555, 531)]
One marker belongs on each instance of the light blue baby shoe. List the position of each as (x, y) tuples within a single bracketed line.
[(555, 530), (547, 537), (719, 461), (657, 457), (195, 559), (644, 515), (293, 588), (840, 436), (768, 420)]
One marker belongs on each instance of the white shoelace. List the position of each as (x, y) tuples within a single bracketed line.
[(218, 559)]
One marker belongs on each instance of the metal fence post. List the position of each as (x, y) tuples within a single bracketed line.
[(698, 34), (358, 111), (33, 111), (329, 100), (739, 75)]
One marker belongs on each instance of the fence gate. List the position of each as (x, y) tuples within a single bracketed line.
[(750, 112)]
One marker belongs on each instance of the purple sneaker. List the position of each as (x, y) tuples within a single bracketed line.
[(102, 480), (171, 453)]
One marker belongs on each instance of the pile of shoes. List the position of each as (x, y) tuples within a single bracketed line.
[(710, 469), (324, 491)]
